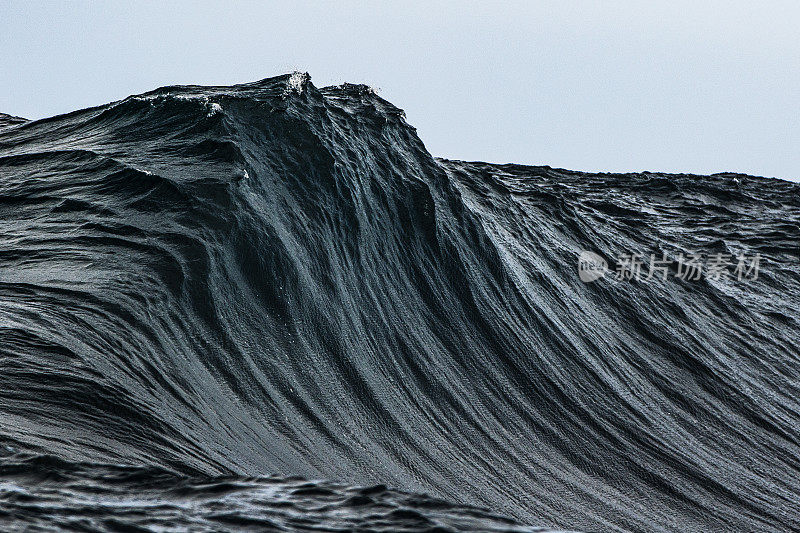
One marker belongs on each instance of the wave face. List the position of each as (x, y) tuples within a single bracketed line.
[(271, 279)]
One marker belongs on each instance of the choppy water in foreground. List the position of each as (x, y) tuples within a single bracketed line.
[(47, 494), (228, 287)]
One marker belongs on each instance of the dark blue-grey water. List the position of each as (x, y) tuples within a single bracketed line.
[(208, 293)]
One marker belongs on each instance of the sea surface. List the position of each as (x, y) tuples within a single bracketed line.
[(268, 307)]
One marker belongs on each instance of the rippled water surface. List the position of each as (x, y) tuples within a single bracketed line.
[(227, 287)]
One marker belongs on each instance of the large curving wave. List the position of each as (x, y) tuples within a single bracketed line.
[(276, 279)]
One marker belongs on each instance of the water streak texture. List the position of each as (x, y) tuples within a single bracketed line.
[(216, 285)]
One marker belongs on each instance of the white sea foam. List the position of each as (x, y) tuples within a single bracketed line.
[(212, 107), (297, 82)]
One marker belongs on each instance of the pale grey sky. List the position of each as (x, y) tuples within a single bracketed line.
[(694, 86)]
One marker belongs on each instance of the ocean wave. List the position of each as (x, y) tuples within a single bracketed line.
[(271, 279)]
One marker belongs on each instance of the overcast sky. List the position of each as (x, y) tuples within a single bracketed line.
[(694, 86)]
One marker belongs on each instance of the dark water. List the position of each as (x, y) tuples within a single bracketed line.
[(226, 287), (47, 494)]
